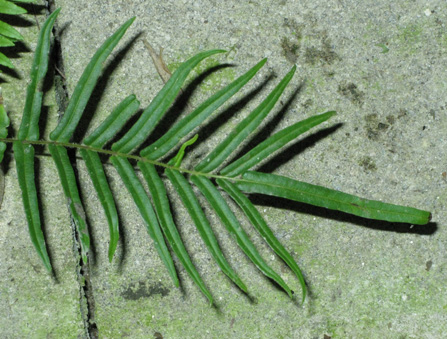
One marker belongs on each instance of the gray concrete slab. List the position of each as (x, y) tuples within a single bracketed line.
[(379, 64)]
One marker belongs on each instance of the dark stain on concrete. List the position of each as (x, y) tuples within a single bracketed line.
[(350, 91), (143, 290)]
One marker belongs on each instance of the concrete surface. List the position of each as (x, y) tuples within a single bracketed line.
[(381, 65)]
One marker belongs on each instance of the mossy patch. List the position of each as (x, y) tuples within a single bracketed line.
[(409, 37), (375, 127), (214, 79)]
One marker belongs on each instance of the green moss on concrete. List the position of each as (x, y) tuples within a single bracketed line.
[(216, 77)]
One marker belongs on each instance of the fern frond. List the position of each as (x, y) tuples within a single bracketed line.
[(7, 7), (155, 209)]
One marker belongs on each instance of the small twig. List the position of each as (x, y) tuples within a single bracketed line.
[(35, 16), (159, 63), (60, 72)]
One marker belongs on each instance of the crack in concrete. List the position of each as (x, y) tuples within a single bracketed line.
[(86, 296)]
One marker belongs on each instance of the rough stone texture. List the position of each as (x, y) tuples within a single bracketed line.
[(379, 64)]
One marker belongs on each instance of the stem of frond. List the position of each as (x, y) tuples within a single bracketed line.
[(118, 154)]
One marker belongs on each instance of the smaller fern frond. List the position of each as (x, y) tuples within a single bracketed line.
[(177, 160), (8, 34)]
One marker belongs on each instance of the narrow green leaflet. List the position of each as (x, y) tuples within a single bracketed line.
[(84, 88), (275, 185), (98, 177), (243, 130), (232, 224), (11, 32), (195, 118), (4, 60), (24, 156), (97, 139), (272, 144), (141, 199), (113, 123), (4, 124), (29, 128), (259, 223), (7, 7), (69, 185), (163, 210), (159, 105), (191, 203)]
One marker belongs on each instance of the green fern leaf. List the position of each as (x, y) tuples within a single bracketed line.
[(154, 207), (283, 187), (24, 154)]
